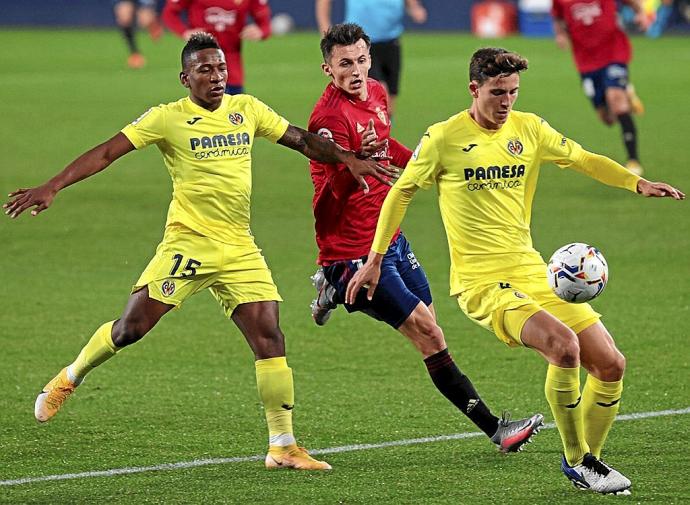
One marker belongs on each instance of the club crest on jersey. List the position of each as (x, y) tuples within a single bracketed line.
[(381, 115), (515, 147), (360, 128), (168, 288), (325, 133), (236, 118)]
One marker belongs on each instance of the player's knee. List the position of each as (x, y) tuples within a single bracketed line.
[(564, 349), (613, 369)]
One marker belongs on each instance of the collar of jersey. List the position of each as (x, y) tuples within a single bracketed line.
[(199, 109), (486, 131)]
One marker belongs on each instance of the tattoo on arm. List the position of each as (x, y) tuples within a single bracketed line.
[(311, 145)]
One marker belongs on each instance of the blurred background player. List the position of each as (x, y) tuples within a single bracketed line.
[(486, 162), (382, 20), (129, 13), (353, 113), (226, 20), (602, 52)]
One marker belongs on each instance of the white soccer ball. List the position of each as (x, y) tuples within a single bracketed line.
[(282, 24), (577, 272)]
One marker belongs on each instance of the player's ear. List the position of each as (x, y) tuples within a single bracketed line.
[(184, 79), (326, 69), (474, 89)]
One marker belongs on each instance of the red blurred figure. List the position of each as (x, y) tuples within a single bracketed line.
[(226, 20), (602, 53)]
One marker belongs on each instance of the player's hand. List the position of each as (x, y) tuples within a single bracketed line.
[(22, 199), (369, 145), (562, 41), (642, 20), (417, 13), (360, 168), (251, 32), (659, 189), (366, 277)]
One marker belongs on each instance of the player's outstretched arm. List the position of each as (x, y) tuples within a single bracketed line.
[(86, 165), (392, 214), (323, 15), (659, 189), (319, 149), (560, 32)]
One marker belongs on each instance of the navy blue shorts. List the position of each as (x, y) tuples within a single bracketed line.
[(596, 83), (402, 285)]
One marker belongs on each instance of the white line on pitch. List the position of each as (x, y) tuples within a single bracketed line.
[(328, 450)]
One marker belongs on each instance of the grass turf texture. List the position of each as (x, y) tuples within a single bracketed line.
[(187, 391)]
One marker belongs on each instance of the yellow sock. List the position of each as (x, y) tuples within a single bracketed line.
[(98, 349), (600, 404), (562, 389), (274, 381)]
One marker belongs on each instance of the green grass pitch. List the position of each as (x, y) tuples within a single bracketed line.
[(187, 391)]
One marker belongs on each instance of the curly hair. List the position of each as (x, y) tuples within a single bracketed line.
[(489, 62)]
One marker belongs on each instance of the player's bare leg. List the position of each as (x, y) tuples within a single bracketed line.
[(140, 315), (148, 20), (560, 346), (258, 322), (618, 101), (125, 11), (421, 329), (606, 116)]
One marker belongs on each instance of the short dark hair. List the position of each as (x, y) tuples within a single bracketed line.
[(344, 34), (197, 42), (492, 61)]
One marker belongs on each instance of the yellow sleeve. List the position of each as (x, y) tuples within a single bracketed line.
[(606, 170), (269, 124), (556, 147), (392, 214), (147, 129), (567, 153), (421, 172), (425, 165)]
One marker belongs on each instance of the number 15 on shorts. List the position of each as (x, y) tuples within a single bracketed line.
[(189, 269)]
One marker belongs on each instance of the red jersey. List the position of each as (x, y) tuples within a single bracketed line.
[(224, 19), (346, 217), (595, 35)]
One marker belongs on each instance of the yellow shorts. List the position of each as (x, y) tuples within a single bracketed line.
[(504, 306), (187, 262)]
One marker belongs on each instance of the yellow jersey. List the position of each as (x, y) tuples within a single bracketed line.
[(486, 182), (208, 156)]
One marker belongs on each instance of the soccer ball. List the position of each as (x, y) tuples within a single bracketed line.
[(577, 272)]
